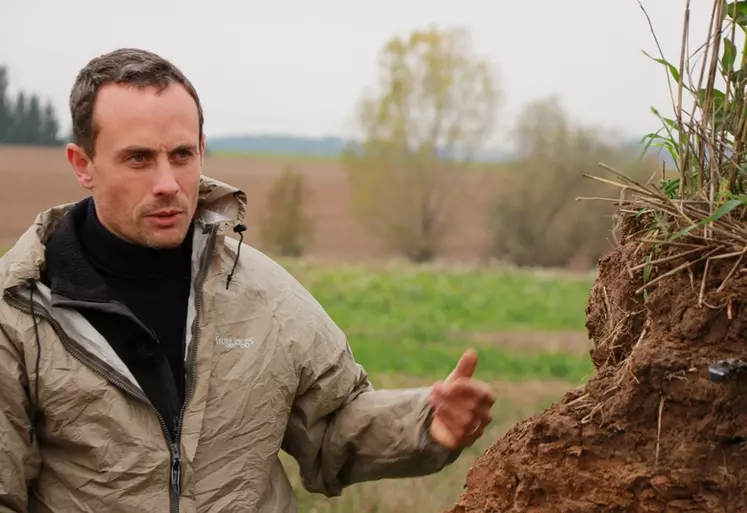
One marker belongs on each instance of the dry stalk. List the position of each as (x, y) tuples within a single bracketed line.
[(607, 305), (643, 334), (658, 428), (614, 201), (703, 282), (611, 389), (627, 364), (691, 276), (678, 111), (658, 46), (670, 243), (676, 270), (726, 255), (585, 397), (588, 418), (612, 336), (733, 270), (668, 258)]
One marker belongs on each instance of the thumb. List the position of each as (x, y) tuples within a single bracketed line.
[(466, 366)]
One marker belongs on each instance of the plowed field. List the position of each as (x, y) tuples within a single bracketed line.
[(35, 178)]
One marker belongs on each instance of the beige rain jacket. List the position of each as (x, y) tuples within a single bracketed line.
[(267, 370)]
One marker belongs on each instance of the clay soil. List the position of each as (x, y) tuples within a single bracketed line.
[(35, 178), (649, 432)]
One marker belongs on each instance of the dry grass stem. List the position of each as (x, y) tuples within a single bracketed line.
[(668, 258), (703, 282), (676, 270), (658, 429), (732, 271)]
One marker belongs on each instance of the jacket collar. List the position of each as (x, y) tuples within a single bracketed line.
[(67, 271), (218, 203)]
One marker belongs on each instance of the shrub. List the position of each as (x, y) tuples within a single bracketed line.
[(534, 218), (285, 228)]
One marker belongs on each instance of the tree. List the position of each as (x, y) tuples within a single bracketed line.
[(33, 120), (50, 127), (534, 218), (285, 228), (24, 121), (19, 126), (6, 117), (433, 112)]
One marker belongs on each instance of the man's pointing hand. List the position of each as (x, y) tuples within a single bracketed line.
[(461, 406)]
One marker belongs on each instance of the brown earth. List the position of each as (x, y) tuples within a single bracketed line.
[(650, 432), (35, 178)]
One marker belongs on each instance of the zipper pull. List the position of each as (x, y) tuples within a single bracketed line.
[(176, 470)]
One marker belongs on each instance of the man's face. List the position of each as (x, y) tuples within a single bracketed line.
[(145, 175)]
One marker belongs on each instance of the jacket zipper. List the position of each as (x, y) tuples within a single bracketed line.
[(173, 445), (175, 453)]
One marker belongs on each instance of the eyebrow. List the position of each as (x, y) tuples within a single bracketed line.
[(128, 150)]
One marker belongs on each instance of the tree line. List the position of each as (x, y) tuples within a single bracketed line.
[(25, 119)]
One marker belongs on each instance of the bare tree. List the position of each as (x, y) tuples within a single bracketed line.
[(285, 228), (433, 111)]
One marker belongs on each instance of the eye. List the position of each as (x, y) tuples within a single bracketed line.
[(137, 158), (182, 154)]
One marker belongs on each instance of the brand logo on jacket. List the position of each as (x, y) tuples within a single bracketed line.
[(243, 343)]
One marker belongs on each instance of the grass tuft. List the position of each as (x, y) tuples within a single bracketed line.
[(697, 214)]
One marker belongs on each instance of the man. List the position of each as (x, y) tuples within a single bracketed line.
[(150, 363)]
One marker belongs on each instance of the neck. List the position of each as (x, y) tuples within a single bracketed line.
[(115, 256)]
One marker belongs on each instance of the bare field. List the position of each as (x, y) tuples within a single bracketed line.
[(35, 178)]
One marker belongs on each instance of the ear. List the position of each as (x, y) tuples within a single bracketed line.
[(81, 164), (202, 149)]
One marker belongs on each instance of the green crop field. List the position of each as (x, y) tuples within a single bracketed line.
[(417, 321)]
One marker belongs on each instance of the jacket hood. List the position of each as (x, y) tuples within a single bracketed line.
[(218, 203)]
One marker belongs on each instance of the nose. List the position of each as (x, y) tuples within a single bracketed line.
[(165, 183)]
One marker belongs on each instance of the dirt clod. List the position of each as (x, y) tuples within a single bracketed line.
[(650, 432)]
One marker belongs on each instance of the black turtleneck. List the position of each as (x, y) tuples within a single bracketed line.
[(153, 283)]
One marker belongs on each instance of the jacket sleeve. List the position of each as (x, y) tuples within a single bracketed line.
[(341, 431), (19, 457)]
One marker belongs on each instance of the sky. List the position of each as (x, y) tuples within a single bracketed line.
[(299, 66)]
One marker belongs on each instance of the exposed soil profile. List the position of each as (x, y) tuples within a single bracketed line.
[(650, 432)]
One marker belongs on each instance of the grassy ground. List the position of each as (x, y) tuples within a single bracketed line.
[(417, 321)]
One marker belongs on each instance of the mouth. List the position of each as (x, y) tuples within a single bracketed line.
[(166, 218), (166, 213)]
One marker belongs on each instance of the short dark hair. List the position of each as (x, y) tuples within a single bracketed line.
[(127, 66)]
